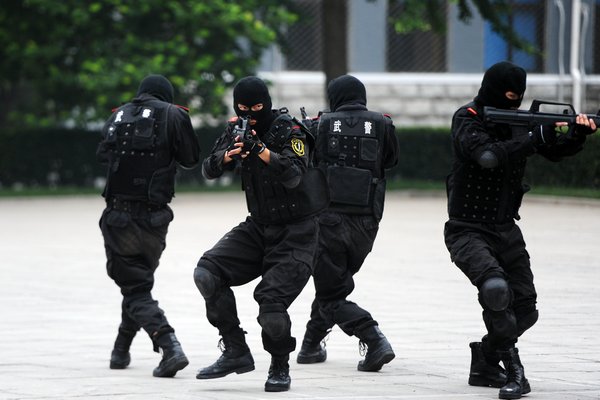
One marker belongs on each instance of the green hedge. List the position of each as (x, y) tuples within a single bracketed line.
[(67, 158)]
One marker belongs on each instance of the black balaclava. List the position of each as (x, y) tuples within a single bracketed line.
[(250, 91), (500, 78), (157, 86), (346, 89)]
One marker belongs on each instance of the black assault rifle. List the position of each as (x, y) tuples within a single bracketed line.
[(243, 129), (534, 116)]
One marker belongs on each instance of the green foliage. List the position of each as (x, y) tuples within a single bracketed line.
[(419, 15), (75, 60)]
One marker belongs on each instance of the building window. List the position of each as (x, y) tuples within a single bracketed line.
[(303, 44), (595, 37), (419, 51), (527, 19)]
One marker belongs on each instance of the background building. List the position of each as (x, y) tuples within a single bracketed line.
[(421, 78)]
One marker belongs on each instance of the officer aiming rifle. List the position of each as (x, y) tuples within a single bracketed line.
[(534, 116)]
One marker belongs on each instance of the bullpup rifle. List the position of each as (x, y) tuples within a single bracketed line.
[(534, 116)]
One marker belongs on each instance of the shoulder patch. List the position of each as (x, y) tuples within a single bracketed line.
[(472, 110), (298, 146), (186, 109), (233, 119)]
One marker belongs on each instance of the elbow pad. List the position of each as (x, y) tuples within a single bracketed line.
[(487, 159)]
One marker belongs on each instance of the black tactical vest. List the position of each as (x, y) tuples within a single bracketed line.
[(268, 199), (491, 195), (350, 152), (141, 167)]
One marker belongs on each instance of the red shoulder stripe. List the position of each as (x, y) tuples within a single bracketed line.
[(472, 111), (186, 109), (233, 119)]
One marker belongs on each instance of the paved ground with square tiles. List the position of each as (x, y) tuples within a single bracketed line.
[(60, 311)]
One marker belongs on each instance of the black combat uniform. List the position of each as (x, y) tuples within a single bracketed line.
[(485, 189), (354, 147), (277, 242), (143, 141)]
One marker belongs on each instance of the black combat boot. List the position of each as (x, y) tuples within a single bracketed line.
[(119, 357), (236, 357), (313, 349), (279, 375), (485, 368), (379, 351), (173, 358), (516, 383)]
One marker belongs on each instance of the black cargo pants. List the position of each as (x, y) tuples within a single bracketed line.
[(483, 251), (134, 239), (282, 255)]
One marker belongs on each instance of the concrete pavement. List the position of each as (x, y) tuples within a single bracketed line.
[(60, 311)]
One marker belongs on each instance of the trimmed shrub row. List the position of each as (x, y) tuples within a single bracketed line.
[(59, 157)]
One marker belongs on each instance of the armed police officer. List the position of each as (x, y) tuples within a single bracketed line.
[(277, 242), (485, 189), (142, 142), (354, 147)]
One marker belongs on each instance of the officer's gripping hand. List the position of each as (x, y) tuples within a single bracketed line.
[(235, 151), (253, 144), (584, 126)]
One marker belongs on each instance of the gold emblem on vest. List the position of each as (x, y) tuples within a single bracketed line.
[(298, 146)]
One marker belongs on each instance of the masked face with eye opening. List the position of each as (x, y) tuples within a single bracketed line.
[(503, 86), (251, 98)]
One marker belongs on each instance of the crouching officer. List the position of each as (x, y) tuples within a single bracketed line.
[(354, 147), (143, 141), (277, 242), (485, 189)]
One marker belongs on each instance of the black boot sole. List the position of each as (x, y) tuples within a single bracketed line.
[(120, 362), (485, 382), (378, 364), (510, 396), (238, 371), (116, 365), (276, 388), (304, 359), (171, 367)]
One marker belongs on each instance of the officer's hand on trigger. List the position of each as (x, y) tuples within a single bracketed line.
[(256, 146), (235, 151)]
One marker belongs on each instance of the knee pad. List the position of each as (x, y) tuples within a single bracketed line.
[(495, 294), (207, 283), (275, 321)]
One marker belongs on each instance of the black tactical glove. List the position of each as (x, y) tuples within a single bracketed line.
[(543, 135), (582, 130), (254, 145)]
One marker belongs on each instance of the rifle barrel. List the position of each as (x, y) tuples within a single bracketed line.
[(527, 118)]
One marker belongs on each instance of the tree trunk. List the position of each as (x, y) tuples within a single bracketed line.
[(335, 61)]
